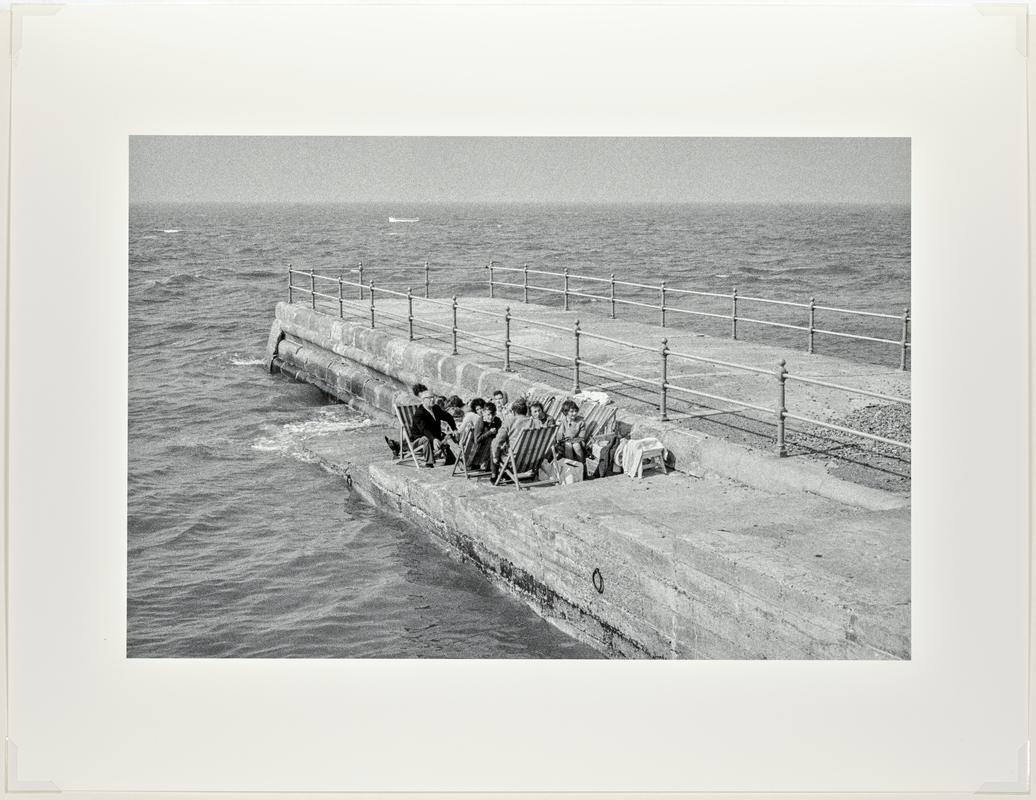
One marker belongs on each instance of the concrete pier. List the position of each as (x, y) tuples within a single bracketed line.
[(737, 554)]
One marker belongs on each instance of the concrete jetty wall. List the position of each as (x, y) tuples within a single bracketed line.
[(367, 367), (353, 361), (721, 560)]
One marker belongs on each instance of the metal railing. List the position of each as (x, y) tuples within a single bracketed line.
[(736, 314), (660, 383)]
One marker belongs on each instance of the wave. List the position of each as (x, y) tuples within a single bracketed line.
[(171, 230), (199, 445), (307, 429), (241, 361), (290, 438), (176, 280), (258, 273)]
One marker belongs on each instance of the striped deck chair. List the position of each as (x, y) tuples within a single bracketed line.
[(470, 455), (405, 418), (555, 410), (600, 419), (526, 455)]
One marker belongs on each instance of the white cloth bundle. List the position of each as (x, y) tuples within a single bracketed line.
[(597, 397), (631, 451)]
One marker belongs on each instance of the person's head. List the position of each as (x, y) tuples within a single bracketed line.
[(520, 407), (477, 405), (427, 399), (500, 398), (489, 411), (440, 401), (536, 411), (417, 388), (570, 409), (454, 402)]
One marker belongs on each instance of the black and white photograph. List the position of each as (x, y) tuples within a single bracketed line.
[(519, 397)]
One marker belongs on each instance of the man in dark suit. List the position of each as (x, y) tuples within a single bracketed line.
[(427, 429)]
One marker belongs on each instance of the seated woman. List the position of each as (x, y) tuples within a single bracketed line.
[(455, 408), (500, 399), (571, 436), (539, 416), (486, 429), (472, 415)]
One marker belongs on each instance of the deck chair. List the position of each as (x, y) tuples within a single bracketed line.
[(600, 419), (526, 454), (555, 409), (405, 418), (470, 455), (547, 400)]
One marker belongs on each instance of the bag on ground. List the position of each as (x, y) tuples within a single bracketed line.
[(601, 453), (570, 470)]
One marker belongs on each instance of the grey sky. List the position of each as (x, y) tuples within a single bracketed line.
[(526, 169)]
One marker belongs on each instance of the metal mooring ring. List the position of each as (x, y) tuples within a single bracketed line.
[(349, 480), (598, 580)]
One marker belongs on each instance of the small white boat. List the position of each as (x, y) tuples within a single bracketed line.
[(404, 219)]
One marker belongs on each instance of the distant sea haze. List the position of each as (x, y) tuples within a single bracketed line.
[(224, 563)]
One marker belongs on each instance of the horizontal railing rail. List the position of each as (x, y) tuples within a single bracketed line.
[(734, 316), (661, 383)]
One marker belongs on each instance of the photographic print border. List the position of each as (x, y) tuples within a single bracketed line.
[(84, 719)]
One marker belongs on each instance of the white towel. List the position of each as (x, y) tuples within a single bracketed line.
[(597, 397), (631, 452)]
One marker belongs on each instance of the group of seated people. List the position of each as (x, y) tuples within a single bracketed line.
[(441, 421)]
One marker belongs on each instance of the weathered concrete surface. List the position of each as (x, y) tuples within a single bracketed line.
[(692, 567), (739, 554), (367, 367)]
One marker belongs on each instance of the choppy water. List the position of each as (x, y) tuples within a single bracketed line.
[(223, 562)]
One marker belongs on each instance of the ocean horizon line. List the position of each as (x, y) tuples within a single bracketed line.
[(402, 205)]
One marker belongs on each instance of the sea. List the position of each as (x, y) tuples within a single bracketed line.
[(241, 546)]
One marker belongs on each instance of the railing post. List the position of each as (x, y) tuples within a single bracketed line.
[(575, 361), (371, 287), (566, 288), (291, 272), (664, 387), (341, 304), (491, 286), (410, 312), (454, 324), (359, 280), (733, 314), (312, 289), (611, 283), (905, 338), (525, 287), (662, 287), (427, 280), (782, 450), (507, 339), (812, 321)]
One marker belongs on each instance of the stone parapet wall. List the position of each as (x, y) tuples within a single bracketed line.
[(350, 361)]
